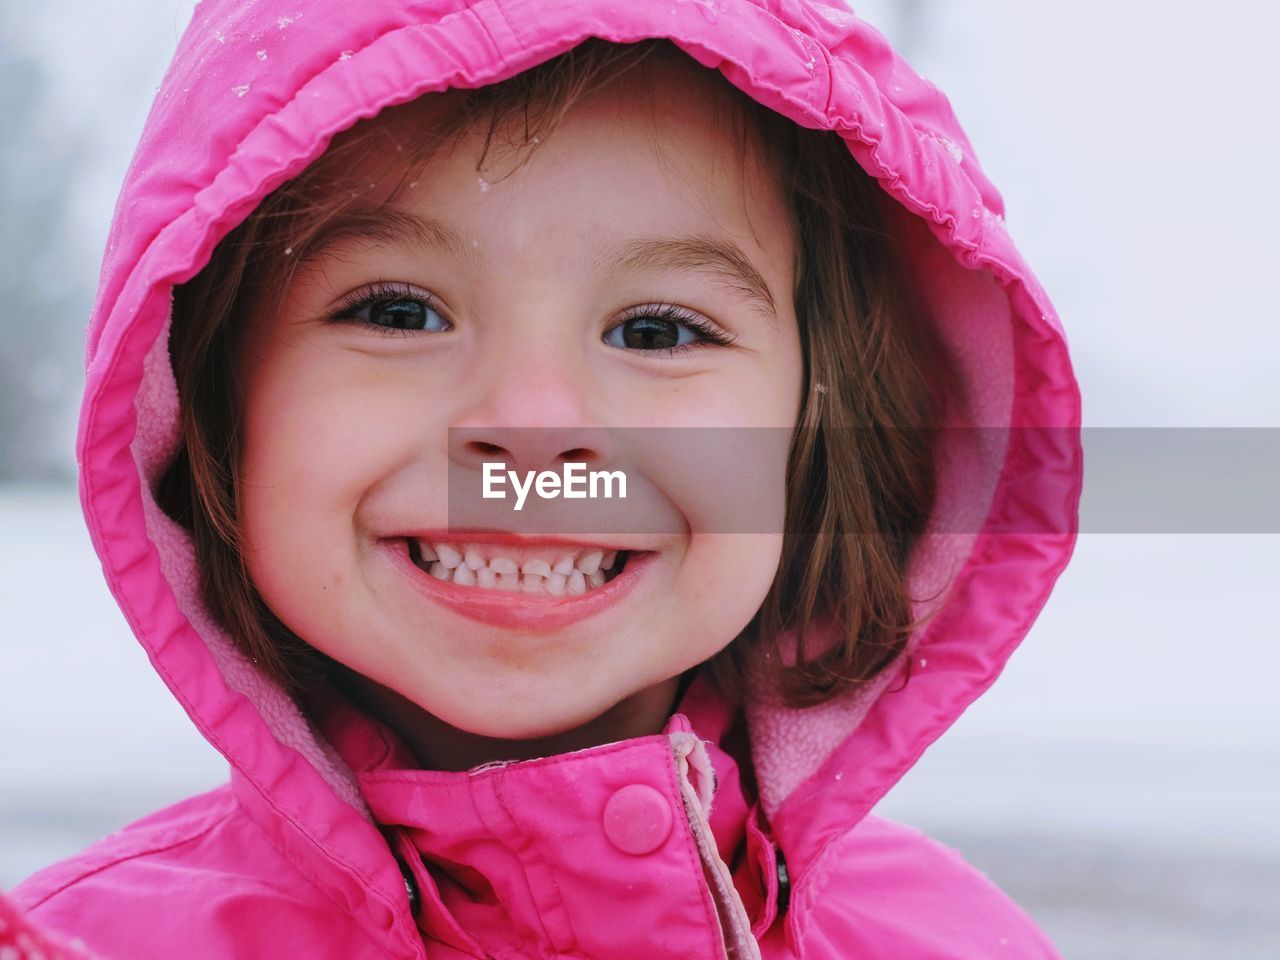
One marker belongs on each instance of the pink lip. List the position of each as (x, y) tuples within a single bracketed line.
[(520, 611)]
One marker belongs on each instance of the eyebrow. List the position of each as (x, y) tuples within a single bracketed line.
[(391, 227), (698, 252), (704, 253)]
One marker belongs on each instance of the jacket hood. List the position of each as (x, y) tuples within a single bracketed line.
[(229, 125)]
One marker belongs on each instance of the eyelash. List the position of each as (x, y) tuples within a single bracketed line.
[(386, 292), (711, 335), (382, 292)]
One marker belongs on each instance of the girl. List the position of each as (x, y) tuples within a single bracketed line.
[(365, 250)]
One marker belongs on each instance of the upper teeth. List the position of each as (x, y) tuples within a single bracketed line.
[(555, 570)]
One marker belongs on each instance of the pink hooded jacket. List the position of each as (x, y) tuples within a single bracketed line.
[(737, 835)]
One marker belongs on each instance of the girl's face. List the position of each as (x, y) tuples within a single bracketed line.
[(512, 304)]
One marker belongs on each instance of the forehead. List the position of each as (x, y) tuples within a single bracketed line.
[(666, 137)]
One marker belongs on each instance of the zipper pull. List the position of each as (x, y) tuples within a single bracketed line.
[(784, 881), (410, 887)]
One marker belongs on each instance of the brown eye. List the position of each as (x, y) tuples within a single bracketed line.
[(650, 333), (393, 309), (401, 314), (665, 329)]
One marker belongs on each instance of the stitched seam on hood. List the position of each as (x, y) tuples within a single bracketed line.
[(371, 888), (511, 25), (147, 851)]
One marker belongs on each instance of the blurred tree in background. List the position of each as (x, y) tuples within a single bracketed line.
[(43, 301)]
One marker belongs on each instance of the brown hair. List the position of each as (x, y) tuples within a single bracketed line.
[(861, 473)]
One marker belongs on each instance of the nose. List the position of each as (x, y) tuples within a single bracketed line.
[(525, 449), (535, 411)]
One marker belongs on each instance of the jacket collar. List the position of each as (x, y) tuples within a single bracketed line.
[(506, 855)]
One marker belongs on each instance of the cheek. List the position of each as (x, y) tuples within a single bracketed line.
[(725, 578), (728, 480), (313, 447), (740, 395), (320, 430)]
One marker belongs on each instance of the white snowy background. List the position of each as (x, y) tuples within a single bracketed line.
[(1120, 780)]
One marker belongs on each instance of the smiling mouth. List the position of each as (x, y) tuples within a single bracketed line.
[(557, 571)]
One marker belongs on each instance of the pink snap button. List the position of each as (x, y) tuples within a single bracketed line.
[(637, 819)]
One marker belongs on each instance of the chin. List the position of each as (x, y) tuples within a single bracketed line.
[(524, 720), (513, 727)]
